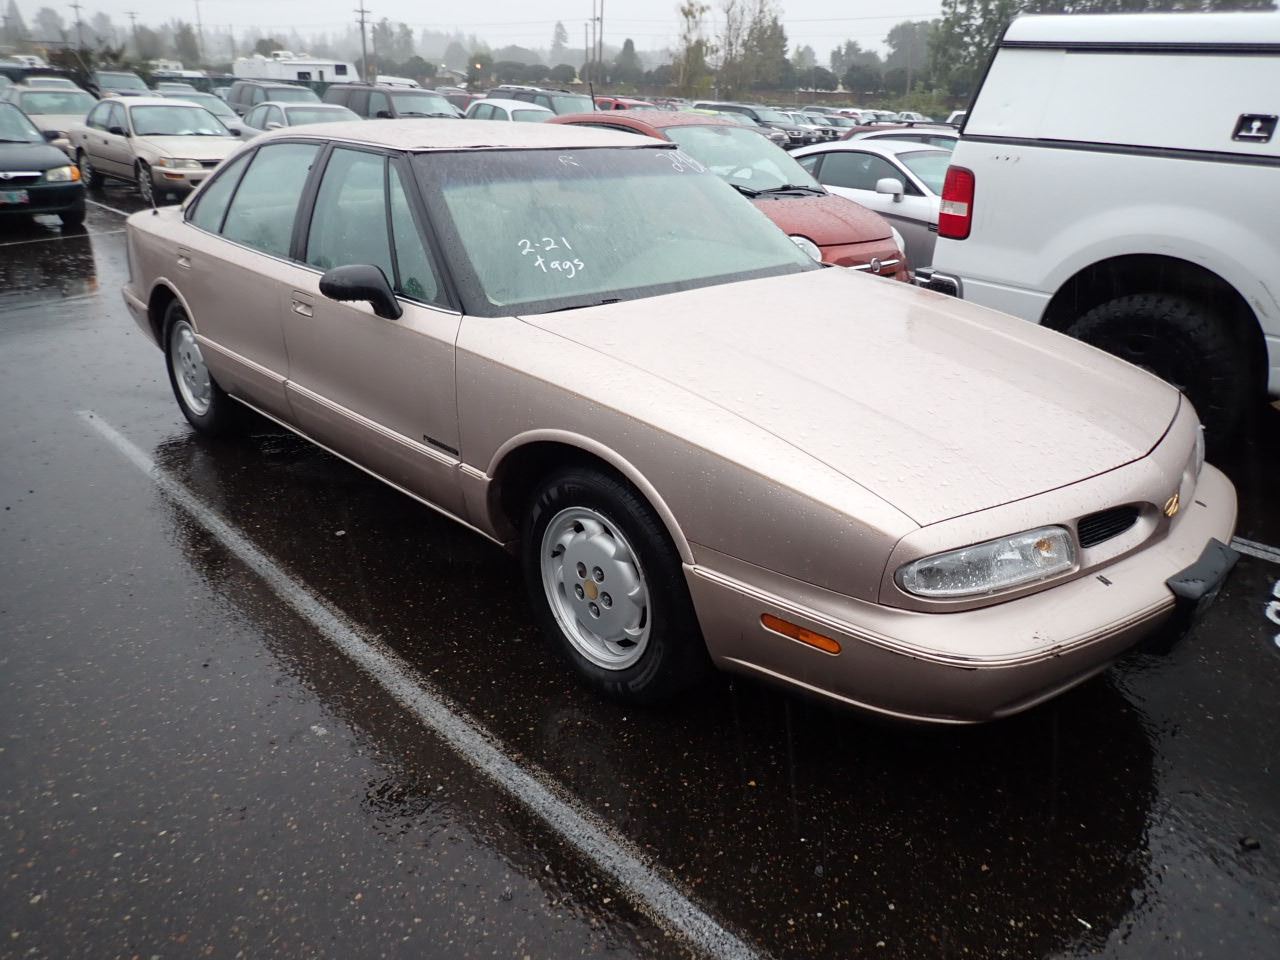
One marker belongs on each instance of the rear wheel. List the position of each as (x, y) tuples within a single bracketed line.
[(608, 589), (1185, 342), (201, 400)]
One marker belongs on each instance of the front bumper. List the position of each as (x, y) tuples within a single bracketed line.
[(891, 261), (907, 664), (181, 181), (46, 198)]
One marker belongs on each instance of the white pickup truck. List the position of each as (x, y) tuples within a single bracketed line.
[(1118, 178)]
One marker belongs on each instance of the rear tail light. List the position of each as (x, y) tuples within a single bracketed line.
[(955, 215)]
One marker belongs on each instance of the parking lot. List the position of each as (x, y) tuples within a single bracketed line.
[(255, 703)]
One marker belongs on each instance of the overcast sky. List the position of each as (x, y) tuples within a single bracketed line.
[(821, 24)]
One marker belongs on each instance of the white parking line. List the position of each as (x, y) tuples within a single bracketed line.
[(123, 213), (65, 236), (593, 838), (1254, 549)]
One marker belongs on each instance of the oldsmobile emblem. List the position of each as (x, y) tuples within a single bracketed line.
[(1171, 506)]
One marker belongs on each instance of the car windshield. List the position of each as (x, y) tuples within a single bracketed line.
[(323, 114), (176, 121), (56, 101), (120, 81), (929, 165), (62, 82), (292, 95), (742, 157), (422, 103), (14, 127), (571, 103), (207, 100), (537, 237), (772, 116), (531, 116)]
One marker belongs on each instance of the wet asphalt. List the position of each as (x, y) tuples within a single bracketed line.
[(189, 769)]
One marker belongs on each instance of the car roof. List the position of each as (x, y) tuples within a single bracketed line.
[(148, 101), (1146, 28), (295, 105), (424, 135), (886, 148), (513, 104), (658, 119)]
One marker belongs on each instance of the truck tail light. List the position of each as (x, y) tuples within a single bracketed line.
[(955, 214)]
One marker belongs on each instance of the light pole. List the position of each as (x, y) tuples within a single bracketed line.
[(364, 49)]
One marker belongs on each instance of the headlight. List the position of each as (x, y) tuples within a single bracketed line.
[(992, 566), (173, 164), (62, 175), (1199, 451), (808, 246), (898, 241)]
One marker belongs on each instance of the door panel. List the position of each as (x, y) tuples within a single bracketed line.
[(239, 291), (378, 391)]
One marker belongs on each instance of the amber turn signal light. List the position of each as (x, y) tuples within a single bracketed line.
[(796, 632)]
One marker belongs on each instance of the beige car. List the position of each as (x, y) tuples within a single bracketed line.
[(162, 145), (704, 447), (55, 110)]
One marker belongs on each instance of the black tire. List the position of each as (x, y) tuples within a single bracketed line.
[(674, 655), (89, 174), (73, 218), (1182, 341), (223, 415), (146, 186)]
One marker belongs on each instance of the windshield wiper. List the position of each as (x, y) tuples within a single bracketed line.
[(793, 188), (746, 191), (7, 140), (583, 306)]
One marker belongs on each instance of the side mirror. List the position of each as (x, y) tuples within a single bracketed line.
[(891, 186), (50, 135), (362, 281), (383, 115), (118, 131), (274, 125)]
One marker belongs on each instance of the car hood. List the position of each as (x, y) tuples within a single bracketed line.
[(30, 156), (936, 406), (192, 148), (826, 220)]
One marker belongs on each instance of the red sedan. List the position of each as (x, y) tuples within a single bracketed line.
[(832, 229)]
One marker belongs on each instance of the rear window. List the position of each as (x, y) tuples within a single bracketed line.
[(292, 95), (56, 101), (421, 103), (332, 114)]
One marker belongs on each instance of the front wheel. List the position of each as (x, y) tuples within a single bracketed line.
[(202, 401), (89, 175), (1190, 345), (146, 187), (607, 587)]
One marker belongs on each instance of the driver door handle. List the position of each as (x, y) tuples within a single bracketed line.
[(300, 304)]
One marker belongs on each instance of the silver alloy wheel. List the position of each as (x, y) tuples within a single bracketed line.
[(86, 170), (146, 189), (596, 588), (189, 371)]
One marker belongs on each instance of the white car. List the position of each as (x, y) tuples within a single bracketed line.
[(900, 181), (494, 108), (55, 110), (910, 116), (1151, 233)]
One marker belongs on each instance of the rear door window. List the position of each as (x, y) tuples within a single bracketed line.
[(379, 103), (264, 207)]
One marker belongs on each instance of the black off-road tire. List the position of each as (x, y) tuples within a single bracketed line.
[(1187, 343), (675, 656), (224, 416)]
